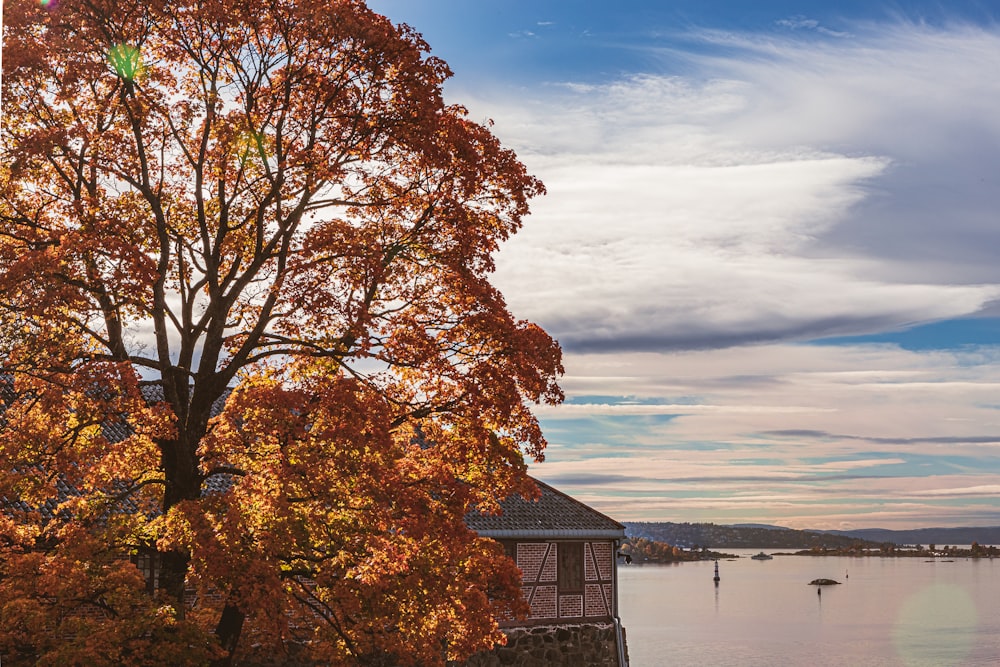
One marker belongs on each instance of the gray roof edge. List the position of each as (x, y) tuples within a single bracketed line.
[(555, 533)]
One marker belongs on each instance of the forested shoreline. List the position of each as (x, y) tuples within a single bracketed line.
[(665, 542)]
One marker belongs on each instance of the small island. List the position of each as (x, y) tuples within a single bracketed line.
[(824, 582)]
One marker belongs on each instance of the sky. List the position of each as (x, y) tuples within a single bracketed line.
[(769, 248)]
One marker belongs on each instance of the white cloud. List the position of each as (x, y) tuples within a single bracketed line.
[(687, 212), (988, 490), (886, 89), (765, 198)]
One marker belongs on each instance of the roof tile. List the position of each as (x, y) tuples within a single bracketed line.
[(553, 515)]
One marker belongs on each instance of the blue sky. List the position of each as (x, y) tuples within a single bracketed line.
[(769, 248)]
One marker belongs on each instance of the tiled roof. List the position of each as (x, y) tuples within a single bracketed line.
[(114, 431), (118, 429), (553, 515)]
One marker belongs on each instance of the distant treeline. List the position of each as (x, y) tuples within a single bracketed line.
[(709, 535), (688, 535), (982, 535)]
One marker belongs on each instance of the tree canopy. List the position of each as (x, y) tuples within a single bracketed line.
[(248, 338)]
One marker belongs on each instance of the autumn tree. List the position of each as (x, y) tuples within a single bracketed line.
[(249, 339)]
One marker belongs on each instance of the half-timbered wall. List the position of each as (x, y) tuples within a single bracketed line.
[(558, 586)]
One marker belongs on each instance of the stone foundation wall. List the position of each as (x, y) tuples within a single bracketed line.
[(589, 645)]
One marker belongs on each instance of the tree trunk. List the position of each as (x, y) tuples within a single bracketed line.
[(173, 577), (228, 631), (181, 483)]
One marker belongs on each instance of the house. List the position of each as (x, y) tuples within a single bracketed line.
[(566, 551)]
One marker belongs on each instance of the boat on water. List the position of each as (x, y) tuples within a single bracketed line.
[(762, 556)]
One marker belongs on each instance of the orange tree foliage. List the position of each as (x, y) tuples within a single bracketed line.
[(644, 549), (246, 328)]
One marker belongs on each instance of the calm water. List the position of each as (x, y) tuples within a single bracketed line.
[(887, 612)]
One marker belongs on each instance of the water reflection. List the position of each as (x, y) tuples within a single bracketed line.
[(888, 613), (936, 625)]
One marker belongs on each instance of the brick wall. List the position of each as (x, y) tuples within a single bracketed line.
[(539, 563)]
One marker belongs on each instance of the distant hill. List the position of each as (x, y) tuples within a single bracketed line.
[(760, 525), (764, 536), (757, 536), (989, 535)]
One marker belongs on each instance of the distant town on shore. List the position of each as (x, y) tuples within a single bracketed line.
[(667, 541)]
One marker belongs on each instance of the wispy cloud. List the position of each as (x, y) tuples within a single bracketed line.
[(800, 22), (901, 436), (782, 194)]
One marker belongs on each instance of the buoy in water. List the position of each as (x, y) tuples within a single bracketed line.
[(716, 578)]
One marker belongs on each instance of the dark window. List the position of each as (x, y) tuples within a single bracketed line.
[(570, 567)]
